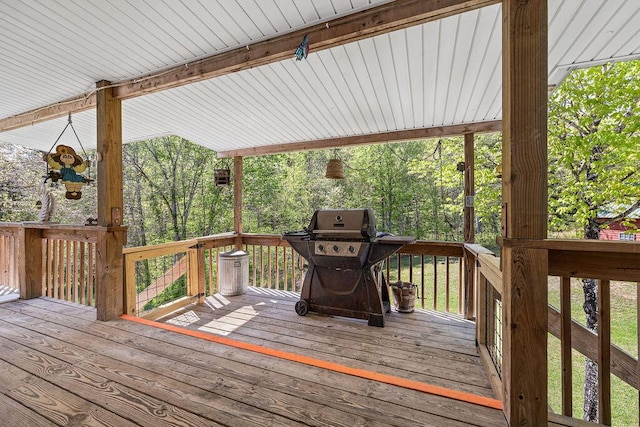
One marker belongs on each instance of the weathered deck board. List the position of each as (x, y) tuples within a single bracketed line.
[(102, 365)]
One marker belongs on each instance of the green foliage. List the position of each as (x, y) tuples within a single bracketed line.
[(170, 192), (594, 126)]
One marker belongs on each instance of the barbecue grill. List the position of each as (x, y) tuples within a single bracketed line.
[(344, 251)]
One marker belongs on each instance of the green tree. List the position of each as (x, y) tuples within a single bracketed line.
[(172, 169), (594, 125)]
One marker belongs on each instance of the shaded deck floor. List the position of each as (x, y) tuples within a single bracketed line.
[(59, 366)]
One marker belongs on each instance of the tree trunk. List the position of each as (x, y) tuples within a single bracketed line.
[(590, 289)]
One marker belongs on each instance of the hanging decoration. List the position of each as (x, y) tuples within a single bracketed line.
[(67, 166), (222, 174), (335, 167), (303, 49)]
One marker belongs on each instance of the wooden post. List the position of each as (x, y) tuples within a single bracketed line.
[(237, 200), (469, 190), (469, 225), (524, 210), (30, 265), (109, 270)]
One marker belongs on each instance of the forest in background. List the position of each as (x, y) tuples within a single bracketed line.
[(170, 193)]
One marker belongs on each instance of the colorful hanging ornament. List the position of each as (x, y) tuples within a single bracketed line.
[(303, 50), (67, 167)]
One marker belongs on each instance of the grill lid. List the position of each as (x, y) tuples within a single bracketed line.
[(353, 224)]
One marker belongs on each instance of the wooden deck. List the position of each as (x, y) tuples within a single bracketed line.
[(59, 366)]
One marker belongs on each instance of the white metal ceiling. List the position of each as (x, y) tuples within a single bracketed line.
[(440, 73)]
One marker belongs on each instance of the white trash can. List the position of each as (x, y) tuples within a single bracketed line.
[(233, 270)]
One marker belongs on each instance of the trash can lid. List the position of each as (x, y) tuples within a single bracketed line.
[(234, 254)]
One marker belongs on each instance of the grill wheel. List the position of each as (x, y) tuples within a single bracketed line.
[(302, 308)]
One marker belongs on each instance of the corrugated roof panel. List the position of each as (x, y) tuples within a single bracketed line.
[(350, 94), (328, 76), (415, 68), (431, 53), (397, 73), (372, 63), (463, 59), (486, 65), (446, 56), (388, 86)]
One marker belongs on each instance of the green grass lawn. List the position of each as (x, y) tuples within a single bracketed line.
[(624, 333)]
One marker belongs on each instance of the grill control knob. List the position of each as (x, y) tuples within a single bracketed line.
[(336, 248), (321, 248), (351, 249)]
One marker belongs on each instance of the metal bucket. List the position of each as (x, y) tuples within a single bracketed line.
[(404, 296)]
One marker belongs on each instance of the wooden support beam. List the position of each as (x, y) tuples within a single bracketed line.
[(30, 265), (375, 138), (237, 200), (469, 189), (109, 261), (470, 282), (378, 20), (59, 109), (524, 189)]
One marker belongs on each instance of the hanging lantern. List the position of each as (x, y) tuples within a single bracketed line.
[(335, 169)]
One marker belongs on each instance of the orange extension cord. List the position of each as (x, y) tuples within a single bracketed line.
[(336, 367)]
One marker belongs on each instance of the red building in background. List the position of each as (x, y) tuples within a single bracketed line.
[(616, 230)]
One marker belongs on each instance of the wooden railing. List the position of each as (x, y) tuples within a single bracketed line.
[(436, 268), (604, 261), (568, 260), (65, 265), (486, 277), (161, 278), (273, 264), (9, 261), (189, 269), (69, 263)]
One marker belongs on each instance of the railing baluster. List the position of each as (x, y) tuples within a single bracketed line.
[(277, 268), (460, 282), (446, 280), (217, 269), (91, 275), (293, 270), (269, 273), (68, 275), (422, 271), (60, 267), (284, 268), (255, 270), (565, 343), (435, 283), (604, 352), (210, 262), (410, 268), (83, 275)]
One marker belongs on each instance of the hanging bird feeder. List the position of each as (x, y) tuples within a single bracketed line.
[(222, 175), (66, 166)]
